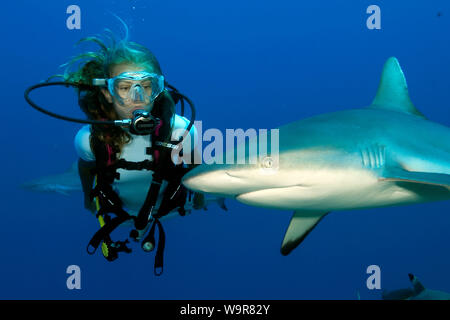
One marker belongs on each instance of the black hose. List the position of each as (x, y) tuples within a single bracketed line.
[(191, 104), (58, 116), (96, 122)]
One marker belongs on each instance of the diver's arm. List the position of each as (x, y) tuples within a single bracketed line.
[(85, 163), (87, 179)]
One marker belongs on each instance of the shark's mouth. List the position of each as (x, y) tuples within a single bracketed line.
[(269, 194), (283, 198)]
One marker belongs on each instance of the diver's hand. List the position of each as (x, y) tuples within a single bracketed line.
[(199, 201), (221, 203), (90, 205)]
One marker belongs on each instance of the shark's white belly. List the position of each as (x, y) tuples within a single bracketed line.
[(332, 190)]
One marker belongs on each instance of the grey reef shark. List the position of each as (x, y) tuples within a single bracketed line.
[(68, 183), (417, 292), (385, 154)]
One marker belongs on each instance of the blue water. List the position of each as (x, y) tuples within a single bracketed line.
[(245, 64)]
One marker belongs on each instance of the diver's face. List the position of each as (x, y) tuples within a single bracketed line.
[(125, 107)]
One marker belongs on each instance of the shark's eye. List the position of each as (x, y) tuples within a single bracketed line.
[(267, 163)]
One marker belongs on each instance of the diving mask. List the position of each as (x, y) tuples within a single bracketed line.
[(134, 87)]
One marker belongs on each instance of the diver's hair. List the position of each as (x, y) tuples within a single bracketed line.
[(117, 52), (99, 64)]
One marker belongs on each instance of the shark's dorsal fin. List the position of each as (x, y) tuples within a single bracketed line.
[(392, 91), (418, 287)]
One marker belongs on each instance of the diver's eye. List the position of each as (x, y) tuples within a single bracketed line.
[(124, 88), (146, 84)]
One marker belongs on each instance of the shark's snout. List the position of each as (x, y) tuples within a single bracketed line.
[(217, 181), (223, 180)]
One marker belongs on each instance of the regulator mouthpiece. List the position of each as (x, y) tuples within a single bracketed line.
[(143, 122)]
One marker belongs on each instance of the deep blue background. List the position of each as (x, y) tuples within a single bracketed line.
[(245, 64)]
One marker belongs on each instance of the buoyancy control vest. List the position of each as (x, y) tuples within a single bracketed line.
[(111, 213)]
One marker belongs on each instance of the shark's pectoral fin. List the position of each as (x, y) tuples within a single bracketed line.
[(398, 174), (301, 224)]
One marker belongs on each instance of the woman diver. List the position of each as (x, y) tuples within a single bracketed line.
[(131, 168)]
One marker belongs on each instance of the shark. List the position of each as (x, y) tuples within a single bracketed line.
[(64, 183), (417, 292), (68, 183), (384, 154)]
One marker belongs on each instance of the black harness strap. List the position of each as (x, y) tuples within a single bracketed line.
[(103, 233), (128, 165), (146, 211), (174, 196), (109, 202), (164, 170), (159, 256)]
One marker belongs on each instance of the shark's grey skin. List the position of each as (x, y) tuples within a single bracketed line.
[(385, 154), (418, 292)]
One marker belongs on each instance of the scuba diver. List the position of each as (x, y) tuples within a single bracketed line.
[(128, 172)]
